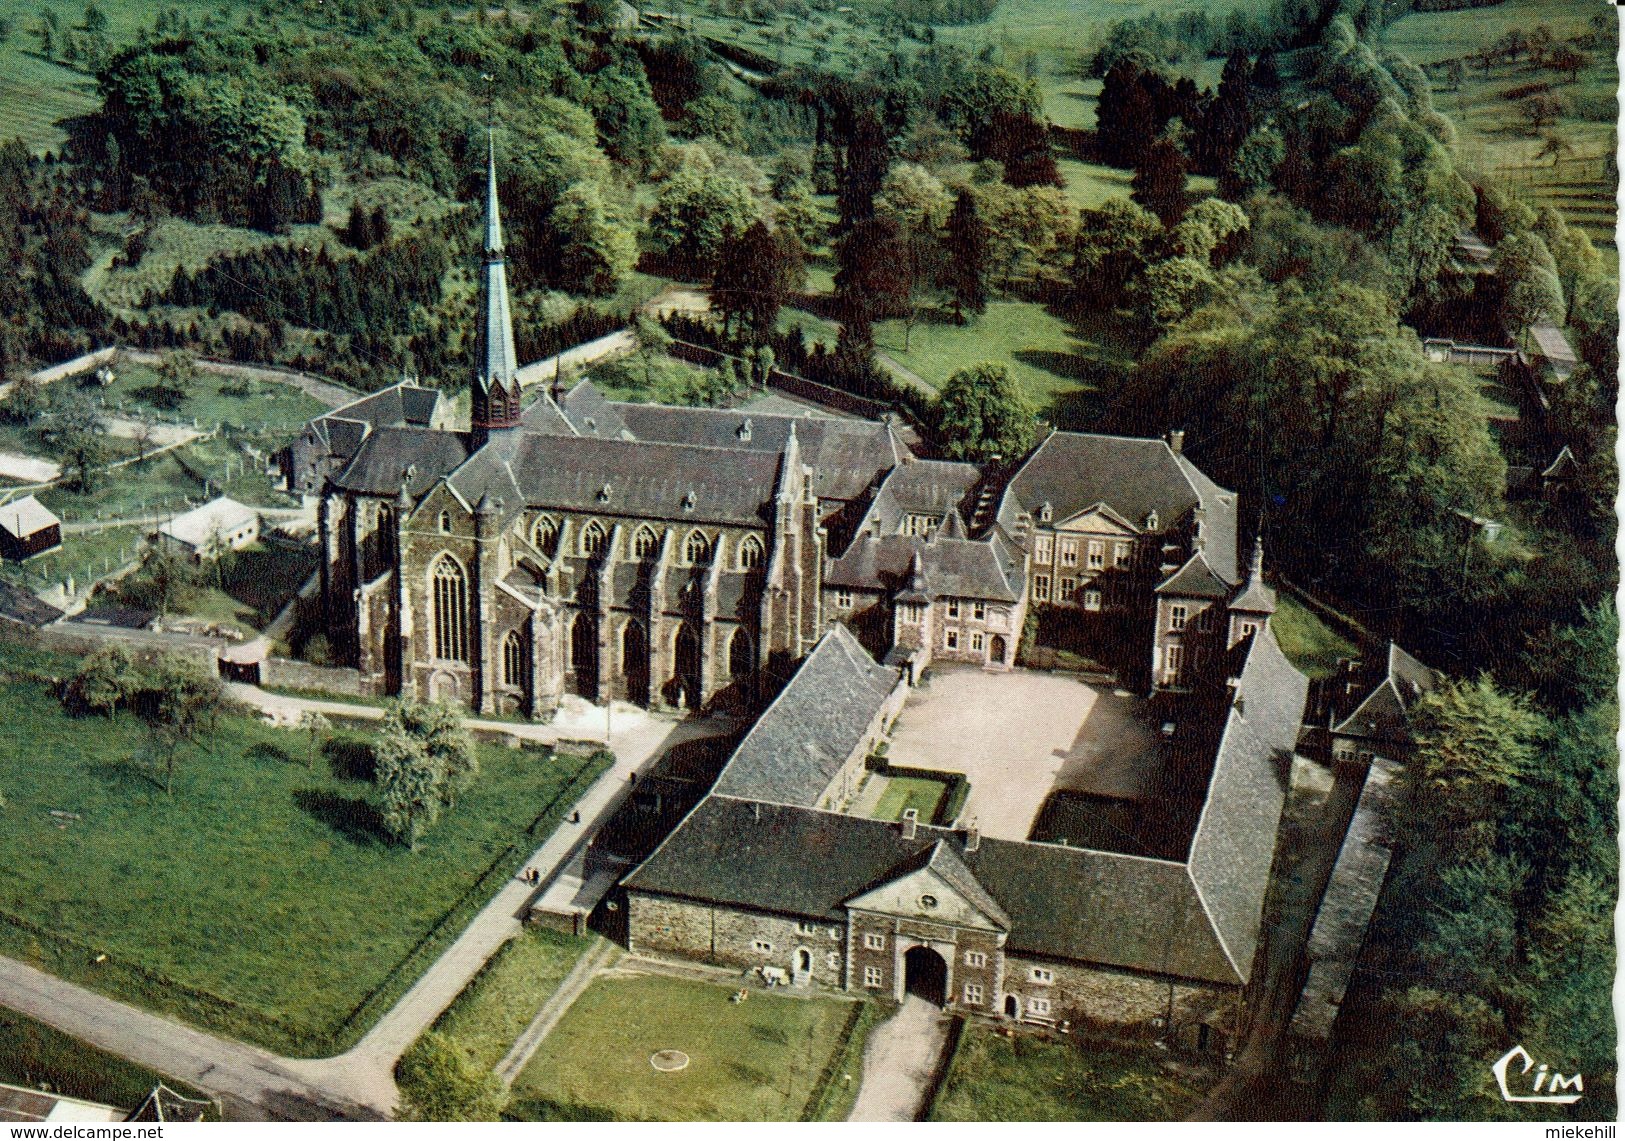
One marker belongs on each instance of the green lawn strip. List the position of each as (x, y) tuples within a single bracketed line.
[(844, 1074), (1307, 641), (758, 1060), (42, 1057), (1028, 1078), (494, 1009), (260, 900), (923, 794)]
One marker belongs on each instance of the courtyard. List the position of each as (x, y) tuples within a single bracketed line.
[(1022, 735)]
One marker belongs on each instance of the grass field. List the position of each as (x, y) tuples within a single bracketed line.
[(496, 1007), (39, 1056), (923, 794), (1493, 137), (85, 556), (758, 1060), (1034, 1079), (210, 398), (1307, 641), (265, 884), (1059, 362)]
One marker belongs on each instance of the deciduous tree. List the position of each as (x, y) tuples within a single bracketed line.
[(984, 412)]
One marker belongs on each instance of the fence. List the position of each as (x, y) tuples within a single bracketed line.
[(823, 395)]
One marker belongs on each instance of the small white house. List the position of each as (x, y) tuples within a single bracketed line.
[(209, 531)]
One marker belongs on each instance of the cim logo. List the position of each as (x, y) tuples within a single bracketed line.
[(1546, 1083)]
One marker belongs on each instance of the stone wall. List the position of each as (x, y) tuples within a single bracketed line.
[(1086, 995), (293, 674), (732, 937)]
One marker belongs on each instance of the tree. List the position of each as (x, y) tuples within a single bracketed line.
[(25, 402), (983, 412), (1159, 181), (47, 39), (756, 277), (75, 425), (652, 343), (596, 249), (873, 280), (166, 581), (1116, 241), (179, 704), (1530, 285), (95, 20), (1455, 73), (438, 1083), (917, 204), (314, 725), (178, 367), (1542, 110), (698, 212), (409, 780), (1540, 42), (966, 273), (446, 744), (1566, 59), (107, 679), (1554, 145)]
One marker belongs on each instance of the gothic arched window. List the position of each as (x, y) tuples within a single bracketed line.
[(450, 610), (750, 553), (741, 655), (643, 545), (513, 659), (592, 539), (697, 550), (545, 536)]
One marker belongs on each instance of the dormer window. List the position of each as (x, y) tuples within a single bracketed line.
[(1046, 513), (688, 502), (603, 493), (744, 432), (1151, 521)]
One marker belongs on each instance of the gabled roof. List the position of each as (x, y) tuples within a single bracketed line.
[(26, 516), (802, 740), (1065, 903), (197, 526), (1196, 579), (1565, 466), (1384, 712), (382, 464), (954, 568), (19, 605), (591, 415)]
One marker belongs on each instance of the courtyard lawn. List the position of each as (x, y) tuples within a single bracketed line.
[(496, 1007), (261, 899), (923, 794), (1058, 361), (759, 1060), (42, 1057), (1035, 1079), (1307, 641)]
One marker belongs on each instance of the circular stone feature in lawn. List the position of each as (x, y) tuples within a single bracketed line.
[(669, 1061)]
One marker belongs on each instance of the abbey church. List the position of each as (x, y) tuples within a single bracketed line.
[(691, 557)]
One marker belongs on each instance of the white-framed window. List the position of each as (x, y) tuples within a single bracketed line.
[(1038, 1006), (1177, 616), (833, 961), (1069, 552), (1068, 587), (953, 608), (1120, 554), (976, 958), (545, 535), (1174, 665), (750, 553), (950, 638), (805, 928), (843, 599), (1041, 587), (978, 611), (1097, 554), (762, 946), (445, 522), (1091, 599), (1248, 629), (1044, 549), (871, 976), (911, 612), (875, 942), (973, 994), (977, 641), (1043, 975)]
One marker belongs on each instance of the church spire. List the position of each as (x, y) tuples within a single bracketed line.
[(496, 383)]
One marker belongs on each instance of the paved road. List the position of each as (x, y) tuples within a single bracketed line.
[(903, 1056), (360, 1082)]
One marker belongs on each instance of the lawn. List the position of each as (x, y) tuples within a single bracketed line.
[(1061, 363), (1307, 641), (923, 794), (759, 1060), (211, 398), (42, 1057), (1493, 137), (496, 1007), (85, 556), (1027, 1078), (261, 899)]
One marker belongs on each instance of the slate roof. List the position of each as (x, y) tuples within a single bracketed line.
[(802, 740), (1122, 911), (1234, 844), (957, 568), (19, 605), (23, 517), (1072, 471), (1196, 579), (1384, 712), (924, 487), (590, 414), (384, 457), (846, 456)]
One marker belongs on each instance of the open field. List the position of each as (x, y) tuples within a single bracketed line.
[(211, 398), (1035, 1079), (84, 556), (261, 899), (758, 1060), (1493, 135), (1309, 643), (36, 1055), (496, 1007)]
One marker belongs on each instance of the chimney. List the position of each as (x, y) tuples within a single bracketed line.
[(911, 822), (973, 837), (1176, 440)]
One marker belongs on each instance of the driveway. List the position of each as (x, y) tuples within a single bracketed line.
[(1020, 735), (902, 1058)]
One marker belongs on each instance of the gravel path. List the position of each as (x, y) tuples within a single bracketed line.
[(902, 1058)]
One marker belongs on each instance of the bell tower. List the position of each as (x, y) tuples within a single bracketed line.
[(496, 403)]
